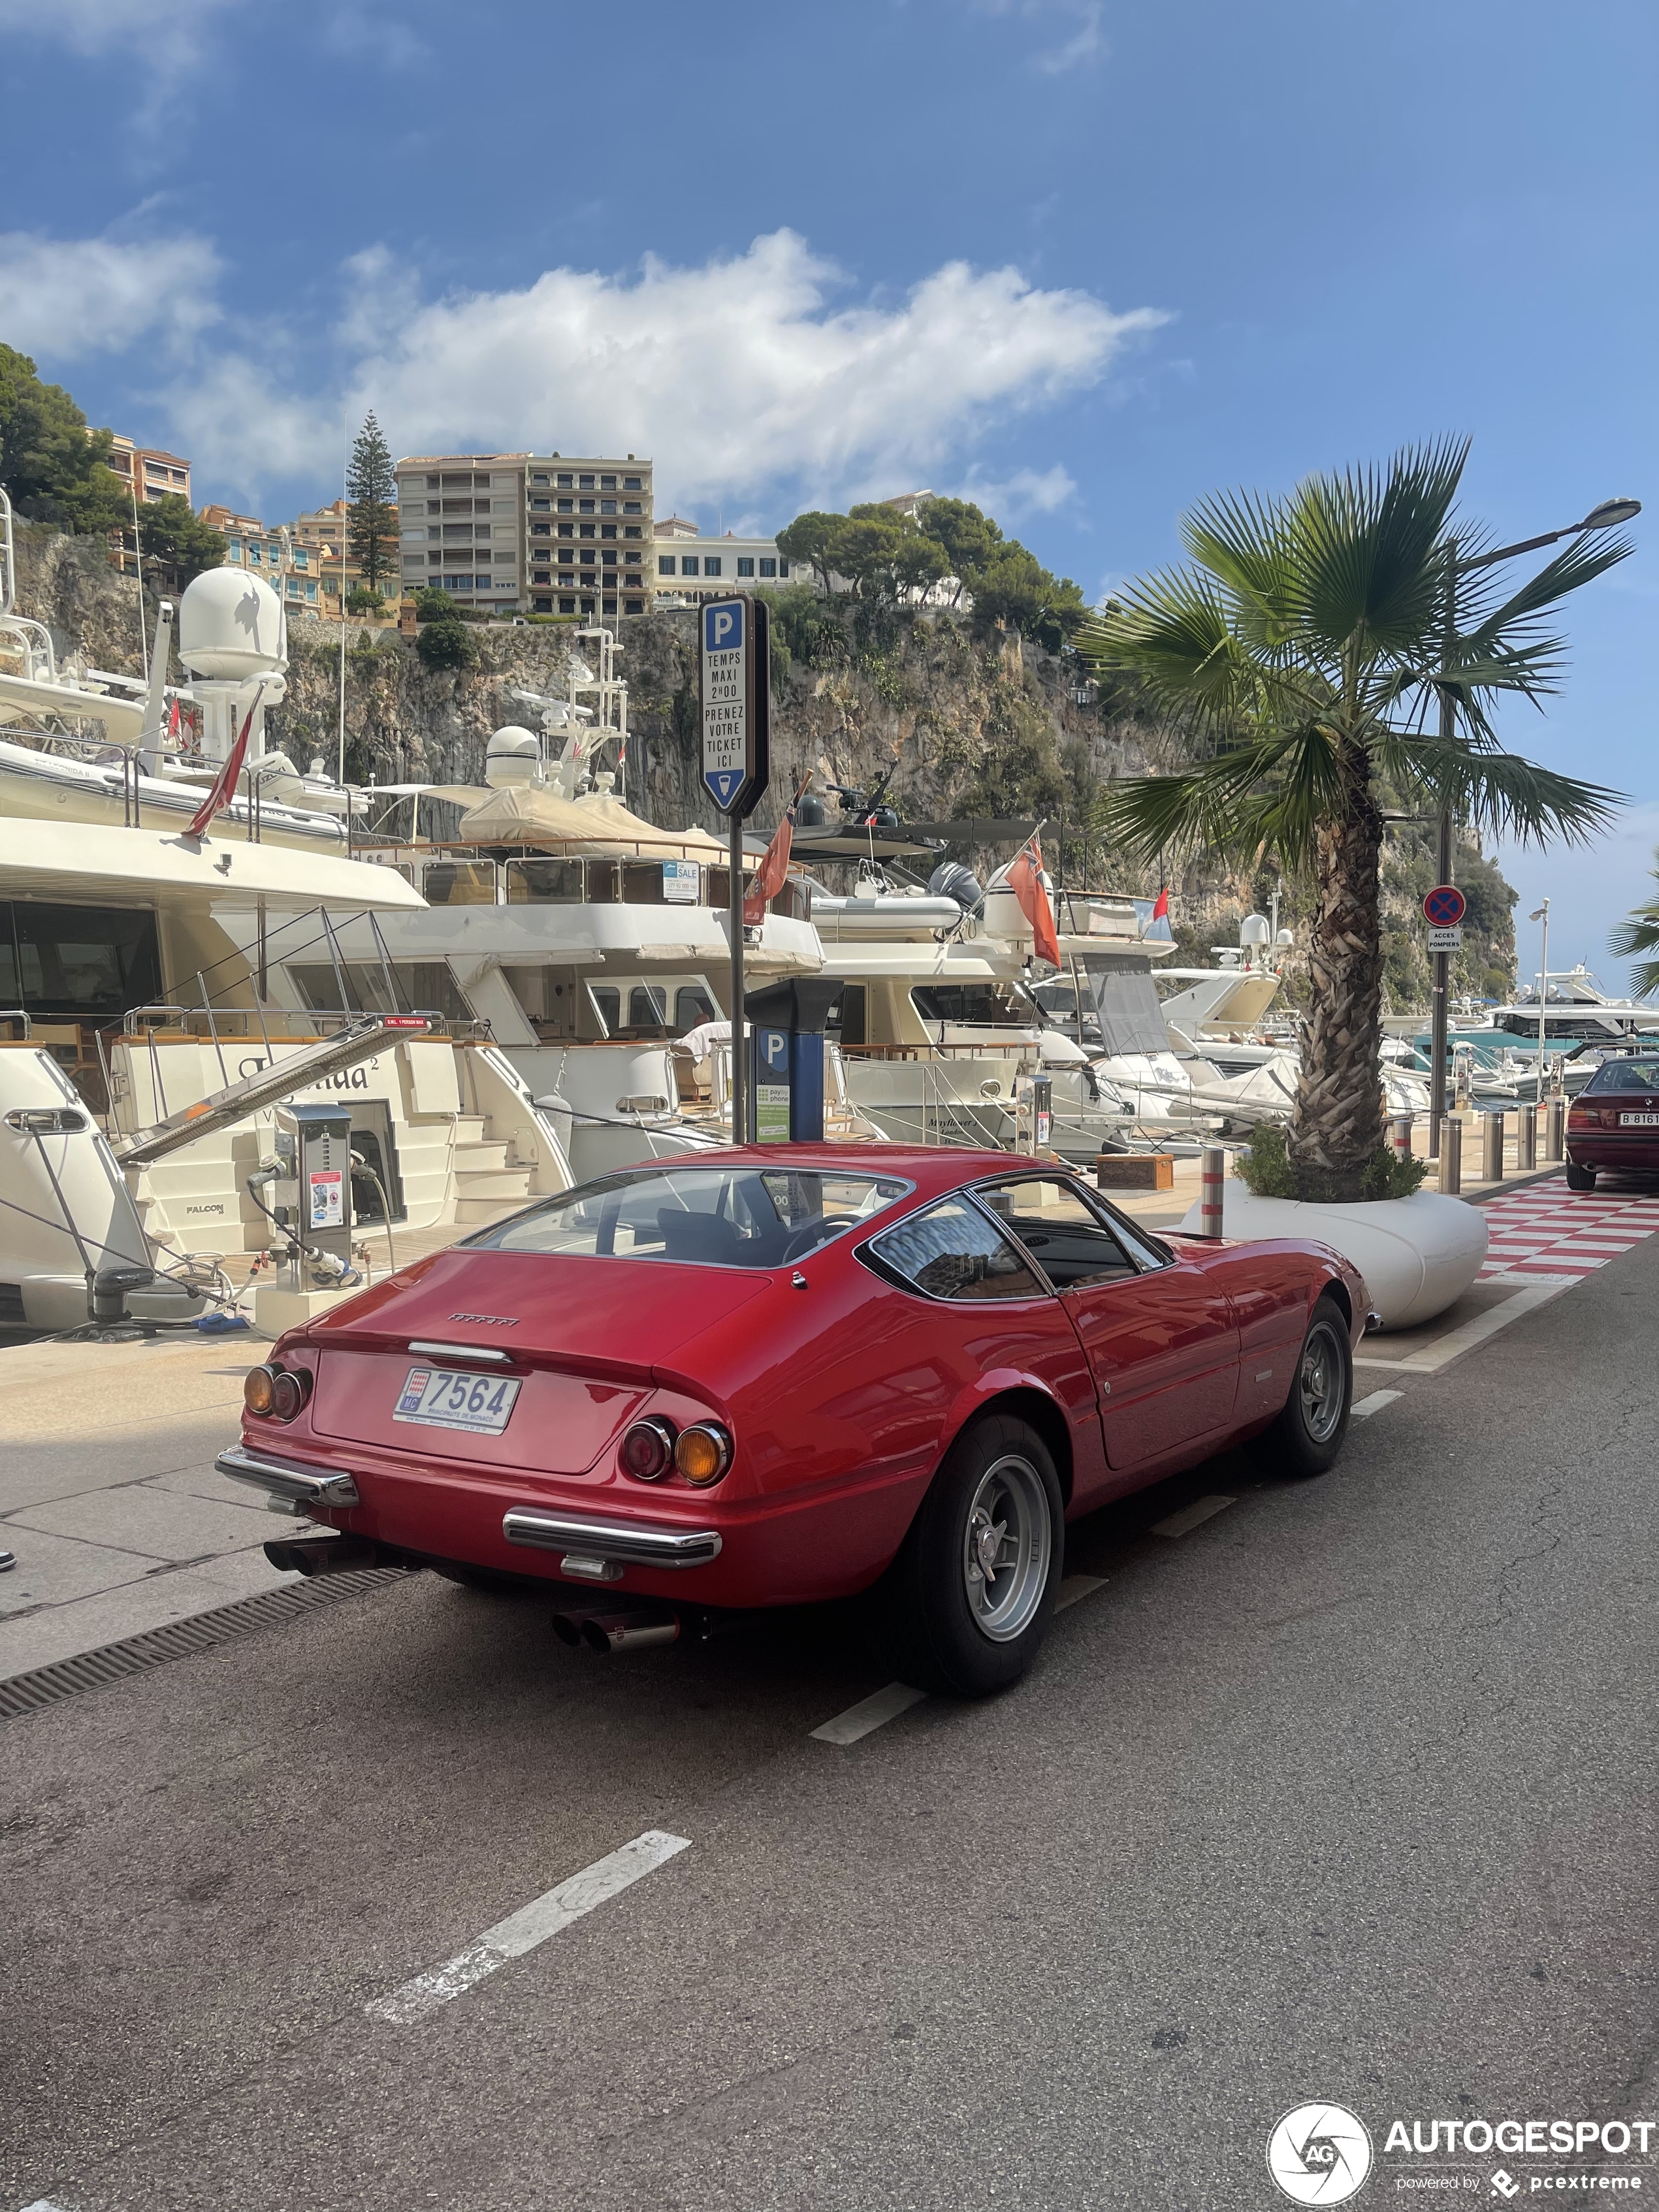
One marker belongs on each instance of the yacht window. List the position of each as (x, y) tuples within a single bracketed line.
[(603, 877), (607, 1004), (1060, 1229), (642, 882), (88, 961), (543, 883), (459, 883), (692, 1007), (423, 987), (951, 1250), (647, 1007), (985, 1006)]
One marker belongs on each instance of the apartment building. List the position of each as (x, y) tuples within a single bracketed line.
[(293, 571), (588, 532), (460, 523), (146, 472), (680, 554)]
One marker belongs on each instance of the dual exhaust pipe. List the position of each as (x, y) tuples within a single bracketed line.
[(616, 1628), (603, 1628)]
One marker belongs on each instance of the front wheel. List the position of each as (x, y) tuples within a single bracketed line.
[(973, 1584), (1580, 1178), (1308, 1435)]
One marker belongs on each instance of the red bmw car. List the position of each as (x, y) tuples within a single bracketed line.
[(768, 1377), (1613, 1122)]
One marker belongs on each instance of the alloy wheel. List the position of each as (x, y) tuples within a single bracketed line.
[(1006, 1548)]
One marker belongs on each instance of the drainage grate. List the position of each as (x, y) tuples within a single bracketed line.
[(182, 1639)]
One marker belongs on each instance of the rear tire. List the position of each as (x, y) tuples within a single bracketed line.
[(971, 1591), (1580, 1178), (1308, 1433)]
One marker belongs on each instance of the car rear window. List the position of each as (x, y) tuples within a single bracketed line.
[(714, 1217), (1625, 1075)]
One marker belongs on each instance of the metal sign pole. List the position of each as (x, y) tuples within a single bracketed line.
[(734, 930), (734, 690)]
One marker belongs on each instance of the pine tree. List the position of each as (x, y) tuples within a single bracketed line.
[(371, 508)]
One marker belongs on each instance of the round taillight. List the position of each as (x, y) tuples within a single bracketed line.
[(259, 1389), (702, 1453), (648, 1451), (288, 1395)]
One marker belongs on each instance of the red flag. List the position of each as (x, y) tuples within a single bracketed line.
[(768, 878), (1160, 912), (173, 719), (1025, 882), (224, 784)]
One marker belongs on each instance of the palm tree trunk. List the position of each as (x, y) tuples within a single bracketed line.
[(1337, 1125)]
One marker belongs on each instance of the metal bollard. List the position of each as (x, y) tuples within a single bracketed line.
[(1212, 1184), (1400, 1135), (1526, 1139), (1555, 1130), (1492, 1153), (1451, 1156)]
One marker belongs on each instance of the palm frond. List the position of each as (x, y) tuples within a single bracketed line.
[(1370, 550), (1496, 791), (1637, 932), (1271, 791), (1486, 628)]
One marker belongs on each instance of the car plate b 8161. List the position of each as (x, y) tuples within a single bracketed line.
[(439, 1398), (1638, 1121)]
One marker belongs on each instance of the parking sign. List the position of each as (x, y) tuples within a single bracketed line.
[(736, 702)]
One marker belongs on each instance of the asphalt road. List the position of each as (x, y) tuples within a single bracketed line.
[(1348, 1792)]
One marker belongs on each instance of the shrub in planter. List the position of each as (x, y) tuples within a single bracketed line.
[(1266, 1170)]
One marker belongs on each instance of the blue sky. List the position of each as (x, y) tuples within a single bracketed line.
[(1086, 260)]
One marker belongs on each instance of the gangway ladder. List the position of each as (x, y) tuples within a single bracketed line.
[(222, 1109)]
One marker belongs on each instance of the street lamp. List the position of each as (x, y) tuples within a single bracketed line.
[(1542, 914), (1606, 516)]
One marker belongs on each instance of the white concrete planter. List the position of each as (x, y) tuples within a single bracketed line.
[(1418, 1255)]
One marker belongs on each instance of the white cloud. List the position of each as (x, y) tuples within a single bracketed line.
[(63, 299), (1027, 491), (167, 34), (1085, 46), (734, 375)]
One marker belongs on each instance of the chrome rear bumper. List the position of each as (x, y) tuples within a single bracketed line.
[(286, 1478), (640, 1544)]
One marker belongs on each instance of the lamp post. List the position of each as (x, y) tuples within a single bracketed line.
[(1542, 914), (1606, 516)]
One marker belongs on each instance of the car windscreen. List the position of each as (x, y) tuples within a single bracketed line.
[(737, 1216), (1625, 1075)]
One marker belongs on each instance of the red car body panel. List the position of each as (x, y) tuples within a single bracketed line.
[(1597, 1136), (842, 1391)]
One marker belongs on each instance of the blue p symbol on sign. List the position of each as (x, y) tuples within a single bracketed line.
[(777, 1048), (722, 630)]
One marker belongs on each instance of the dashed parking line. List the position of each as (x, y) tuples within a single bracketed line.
[(1191, 1517), (1363, 1408), (1075, 1587), (869, 1714), (523, 1930)]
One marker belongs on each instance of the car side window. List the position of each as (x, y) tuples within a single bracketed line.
[(949, 1250), (1060, 1229)]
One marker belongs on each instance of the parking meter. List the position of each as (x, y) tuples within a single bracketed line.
[(785, 1102)]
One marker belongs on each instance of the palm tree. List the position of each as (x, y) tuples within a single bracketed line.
[(1639, 932), (1303, 649)]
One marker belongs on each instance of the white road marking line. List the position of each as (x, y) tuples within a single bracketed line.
[(1363, 1408), (1074, 1588), (43, 2204), (1190, 1516), (870, 1713), (534, 1924), (1456, 1341)]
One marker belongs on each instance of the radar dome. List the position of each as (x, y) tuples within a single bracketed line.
[(230, 626), (1256, 929), (513, 757)]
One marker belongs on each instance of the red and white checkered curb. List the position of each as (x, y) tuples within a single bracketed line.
[(1548, 1230)]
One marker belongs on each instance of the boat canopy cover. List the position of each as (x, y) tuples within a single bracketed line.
[(1126, 1001), (527, 814)]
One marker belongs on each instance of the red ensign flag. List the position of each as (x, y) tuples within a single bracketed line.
[(224, 784), (1025, 881), (769, 877)]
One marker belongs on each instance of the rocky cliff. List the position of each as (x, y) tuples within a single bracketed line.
[(969, 726)]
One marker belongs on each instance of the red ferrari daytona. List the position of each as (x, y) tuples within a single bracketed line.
[(767, 1376)]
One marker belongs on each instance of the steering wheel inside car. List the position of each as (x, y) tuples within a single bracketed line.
[(811, 1234)]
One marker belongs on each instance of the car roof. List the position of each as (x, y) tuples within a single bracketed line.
[(931, 1168)]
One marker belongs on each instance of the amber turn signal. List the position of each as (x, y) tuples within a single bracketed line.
[(259, 1389), (277, 1393), (702, 1453)]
